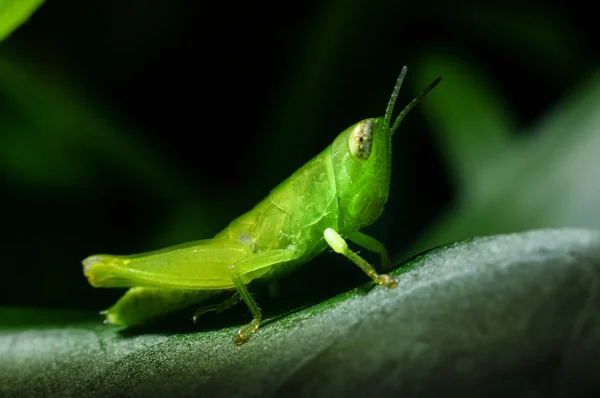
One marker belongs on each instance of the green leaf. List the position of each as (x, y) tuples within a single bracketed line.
[(508, 315), (472, 121), (541, 37), (56, 141), (14, 12), (545, 178), (71, 137)]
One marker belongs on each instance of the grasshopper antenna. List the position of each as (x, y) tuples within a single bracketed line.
[(392, 101), (412, 103)]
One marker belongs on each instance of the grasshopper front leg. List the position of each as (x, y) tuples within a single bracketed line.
[(372, 245), (339, 245)]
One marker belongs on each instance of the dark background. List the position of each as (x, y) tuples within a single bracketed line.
[(129, 125)]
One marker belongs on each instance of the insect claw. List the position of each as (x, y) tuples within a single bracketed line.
[(241, 336), (387, 281)]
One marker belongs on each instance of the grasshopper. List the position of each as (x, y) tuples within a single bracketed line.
[(325, 202)]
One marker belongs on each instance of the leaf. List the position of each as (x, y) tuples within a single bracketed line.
[(70, 138), (507, 315), (14, 12), (545, 178), (473, 122), (539, 36)]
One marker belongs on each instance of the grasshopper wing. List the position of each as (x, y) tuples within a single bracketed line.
[(198, 265)]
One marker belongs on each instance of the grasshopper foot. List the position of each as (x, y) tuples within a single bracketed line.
[(241, 336), (245, 332), (386, 280)]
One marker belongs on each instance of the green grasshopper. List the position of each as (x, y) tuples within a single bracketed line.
[(333, 196)]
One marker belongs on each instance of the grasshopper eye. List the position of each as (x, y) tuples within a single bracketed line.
[(361, 139)]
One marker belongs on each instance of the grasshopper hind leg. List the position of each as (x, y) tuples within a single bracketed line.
[(222, 306), (143, 304)]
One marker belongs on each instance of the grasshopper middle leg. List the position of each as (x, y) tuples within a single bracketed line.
[(249, 269)]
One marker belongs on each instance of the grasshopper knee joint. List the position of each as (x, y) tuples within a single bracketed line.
[(337, 243)]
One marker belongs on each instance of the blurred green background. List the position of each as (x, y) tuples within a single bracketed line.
[(129, 125)]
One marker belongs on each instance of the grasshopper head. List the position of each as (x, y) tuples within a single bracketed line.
[(362, 157)]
